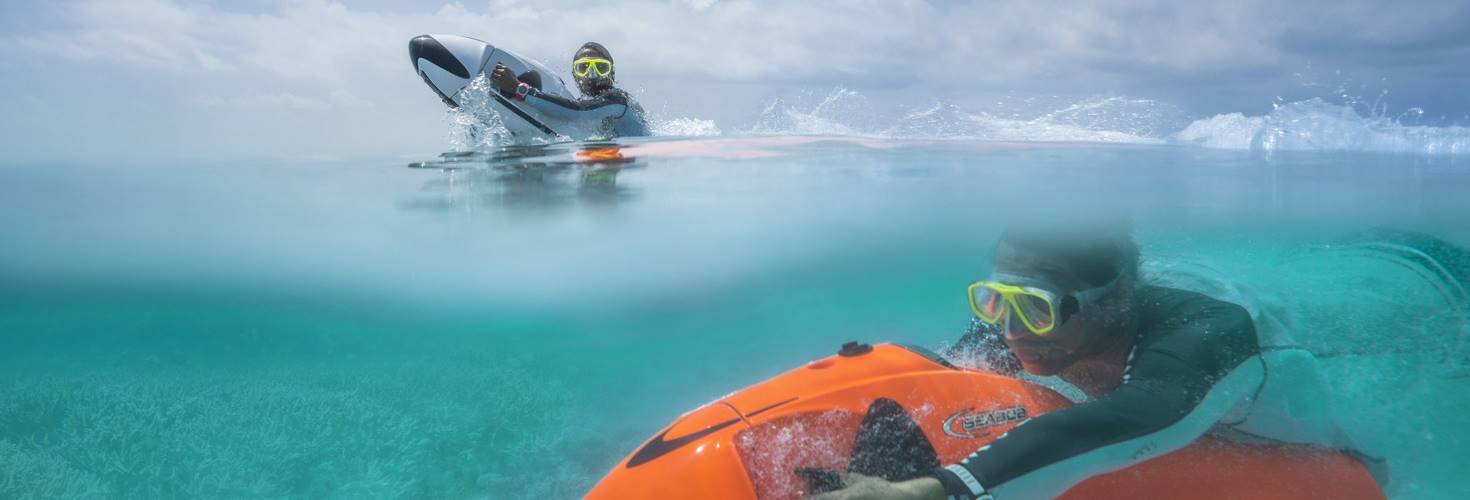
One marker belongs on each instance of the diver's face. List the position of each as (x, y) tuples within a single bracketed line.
[(1051, 353), (590, 86)]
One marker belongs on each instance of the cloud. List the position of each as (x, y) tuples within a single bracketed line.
[(860, 41), (724, 58), (152, 33)]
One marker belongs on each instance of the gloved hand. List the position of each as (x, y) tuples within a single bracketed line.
[(503, 79)]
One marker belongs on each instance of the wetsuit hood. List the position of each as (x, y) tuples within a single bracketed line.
[(594, 86)]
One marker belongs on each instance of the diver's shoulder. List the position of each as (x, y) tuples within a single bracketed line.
[(1196, 328), (1163, 307), (1170, 299)]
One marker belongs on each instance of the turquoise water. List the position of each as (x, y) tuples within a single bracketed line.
[(511, 324)]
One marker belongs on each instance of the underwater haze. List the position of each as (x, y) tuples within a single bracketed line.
[(510, 323)]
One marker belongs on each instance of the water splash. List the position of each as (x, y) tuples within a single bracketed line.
[(1343, 123), (847, 112), (1318, 125), (839, 112), (474, 125), (683, 127)]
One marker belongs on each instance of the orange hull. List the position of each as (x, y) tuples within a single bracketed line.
[(750, 444)]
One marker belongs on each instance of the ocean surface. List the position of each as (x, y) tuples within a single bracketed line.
[(510, 322)]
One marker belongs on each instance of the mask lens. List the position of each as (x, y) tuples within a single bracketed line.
[(988, 303), (1036, 311), (586, 67)]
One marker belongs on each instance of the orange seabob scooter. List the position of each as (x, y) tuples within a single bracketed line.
[(898, 411)]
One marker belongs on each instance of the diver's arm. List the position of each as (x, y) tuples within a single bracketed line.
[(600, 106), (1173, 391)]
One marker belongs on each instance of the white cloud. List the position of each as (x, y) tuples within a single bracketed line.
[(328, 57), (699, 4), (995, 42), (151, 33), (991, 43)]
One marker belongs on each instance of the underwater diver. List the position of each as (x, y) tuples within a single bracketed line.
[(592, 68), (1160, 366)]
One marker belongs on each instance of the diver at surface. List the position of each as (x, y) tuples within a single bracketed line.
[(1161, 367), (592, 68)]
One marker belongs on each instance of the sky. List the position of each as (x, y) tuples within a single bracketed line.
[(133, 81)]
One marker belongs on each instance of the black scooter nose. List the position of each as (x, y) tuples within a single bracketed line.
[(425, 47)]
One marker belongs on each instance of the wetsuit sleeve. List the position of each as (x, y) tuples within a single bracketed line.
[(605, 105), (983, 346), (1181, 378)]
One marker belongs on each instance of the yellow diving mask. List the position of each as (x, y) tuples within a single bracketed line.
[(586, 67), (1040, 308)]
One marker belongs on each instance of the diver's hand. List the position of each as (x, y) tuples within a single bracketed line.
[(859, 487), (503, 79)]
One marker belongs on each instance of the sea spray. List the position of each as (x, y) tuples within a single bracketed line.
[(1318, 125)]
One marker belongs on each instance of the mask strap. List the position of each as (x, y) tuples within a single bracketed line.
[(1091, 295)]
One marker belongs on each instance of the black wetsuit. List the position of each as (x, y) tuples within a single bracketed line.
[(1195, 360), (614, 112), (1199, 366)]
